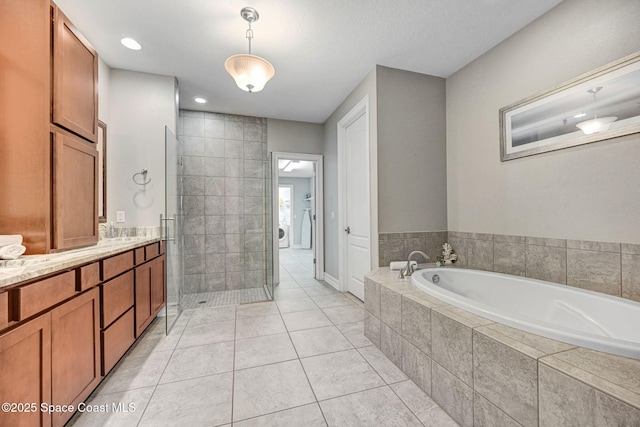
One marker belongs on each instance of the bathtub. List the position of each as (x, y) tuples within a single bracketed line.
[(575, 316)]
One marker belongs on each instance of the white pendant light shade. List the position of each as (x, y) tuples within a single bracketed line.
[(601, 124), (250, 72)]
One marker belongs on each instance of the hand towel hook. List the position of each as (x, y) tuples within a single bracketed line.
[(143, 174)]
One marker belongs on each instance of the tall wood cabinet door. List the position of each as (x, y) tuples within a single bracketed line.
[(75, 352), (75, 191), (158, 293), (25, 372), (144, 313), (75, 79)]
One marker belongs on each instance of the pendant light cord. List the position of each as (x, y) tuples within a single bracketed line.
[(249, 34)]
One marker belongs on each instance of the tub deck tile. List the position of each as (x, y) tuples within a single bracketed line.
[(615, 375), (532, 345), (462, 316)]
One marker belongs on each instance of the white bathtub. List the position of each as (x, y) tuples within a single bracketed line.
[(575, 316)]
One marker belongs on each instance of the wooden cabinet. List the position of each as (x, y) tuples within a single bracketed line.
[(75, 79), (25, 361), (150, 292), (75, 199), (75, 352), (27, 109)]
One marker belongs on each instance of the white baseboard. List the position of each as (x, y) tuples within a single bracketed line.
[(332, 281)]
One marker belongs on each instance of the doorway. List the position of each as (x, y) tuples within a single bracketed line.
[(357, 186), (297, 216)]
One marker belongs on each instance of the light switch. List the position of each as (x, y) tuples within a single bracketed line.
[(120, 216)]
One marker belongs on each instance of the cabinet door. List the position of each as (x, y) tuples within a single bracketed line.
[(25, 371), (75, 352), (158, 292), (75, 191), (144, 313), (75, 79)]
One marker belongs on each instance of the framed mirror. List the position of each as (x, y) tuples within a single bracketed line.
[(101, 146), (599, 105)]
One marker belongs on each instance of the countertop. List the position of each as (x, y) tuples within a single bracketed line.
[(32, 266)]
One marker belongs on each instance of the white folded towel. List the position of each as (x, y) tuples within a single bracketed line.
[(10, 239), (399, 265), (11, 251)]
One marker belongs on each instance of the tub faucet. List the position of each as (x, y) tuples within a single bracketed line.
[(408, 270)]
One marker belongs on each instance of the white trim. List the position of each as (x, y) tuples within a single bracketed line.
[(362, 107), (317, 230), (331, 280)]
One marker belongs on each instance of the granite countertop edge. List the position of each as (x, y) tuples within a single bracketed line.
[(29, 267)]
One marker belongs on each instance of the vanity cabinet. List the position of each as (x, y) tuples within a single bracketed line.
[(75, 79), (150, 292), (49, 80), (25, 360), (75, 199), (75, 352)]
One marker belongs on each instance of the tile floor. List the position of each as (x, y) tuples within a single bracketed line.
[(301, 360)]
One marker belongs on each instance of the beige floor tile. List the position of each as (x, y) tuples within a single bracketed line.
[(389, 372), (305, 320), (281, 294), (316, 291), (354, 332), (337, 374), (204, 316), (377, 407), (263, 351), (266, 389), (135, 372), (296, 304), (312, 342), (199, 361), (307, 416), (258, 326), (207, 334), (346, 314), (423, 407), (333, 300), (257, 309), (124, 409), (204, 401)]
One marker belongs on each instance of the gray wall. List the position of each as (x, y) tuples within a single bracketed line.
[(412, 181), (225, 171), (139, 107), (330, 150), (588, 192), (301, 186), (294, 137)]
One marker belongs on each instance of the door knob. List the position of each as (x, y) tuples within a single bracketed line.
[(348, 230)]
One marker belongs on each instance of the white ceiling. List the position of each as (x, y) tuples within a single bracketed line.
[(321, 49)]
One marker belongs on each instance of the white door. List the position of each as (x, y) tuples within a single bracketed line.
[(357, 206)]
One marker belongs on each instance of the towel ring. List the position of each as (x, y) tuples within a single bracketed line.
[(143, 174)]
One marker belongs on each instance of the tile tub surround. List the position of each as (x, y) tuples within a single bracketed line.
[(224, 180), (606, 267), (485, 374), (398, 246)]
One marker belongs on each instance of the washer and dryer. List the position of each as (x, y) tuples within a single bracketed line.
[(283, 236)]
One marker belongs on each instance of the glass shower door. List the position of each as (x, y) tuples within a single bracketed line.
[(171, 225)]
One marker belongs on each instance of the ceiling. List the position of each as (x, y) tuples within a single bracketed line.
[(300, 168), (320, 49)]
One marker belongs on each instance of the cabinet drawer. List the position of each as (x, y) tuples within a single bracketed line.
[(116, 340), (88, 276), (151, 251), (115, 265), (4, 310), (117, 297), (139, 255), (39, 296)]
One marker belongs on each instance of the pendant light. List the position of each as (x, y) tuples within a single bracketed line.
[(596, 124), (250, 72)]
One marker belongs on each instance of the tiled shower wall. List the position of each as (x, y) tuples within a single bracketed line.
[(224, 180), (606, 267)]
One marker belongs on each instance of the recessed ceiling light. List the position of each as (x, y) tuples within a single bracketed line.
[(200, 100), (131, 43)]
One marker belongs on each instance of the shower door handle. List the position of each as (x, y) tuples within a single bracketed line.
[(173, 238)]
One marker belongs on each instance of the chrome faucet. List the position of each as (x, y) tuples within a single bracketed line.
[(408, 270)]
